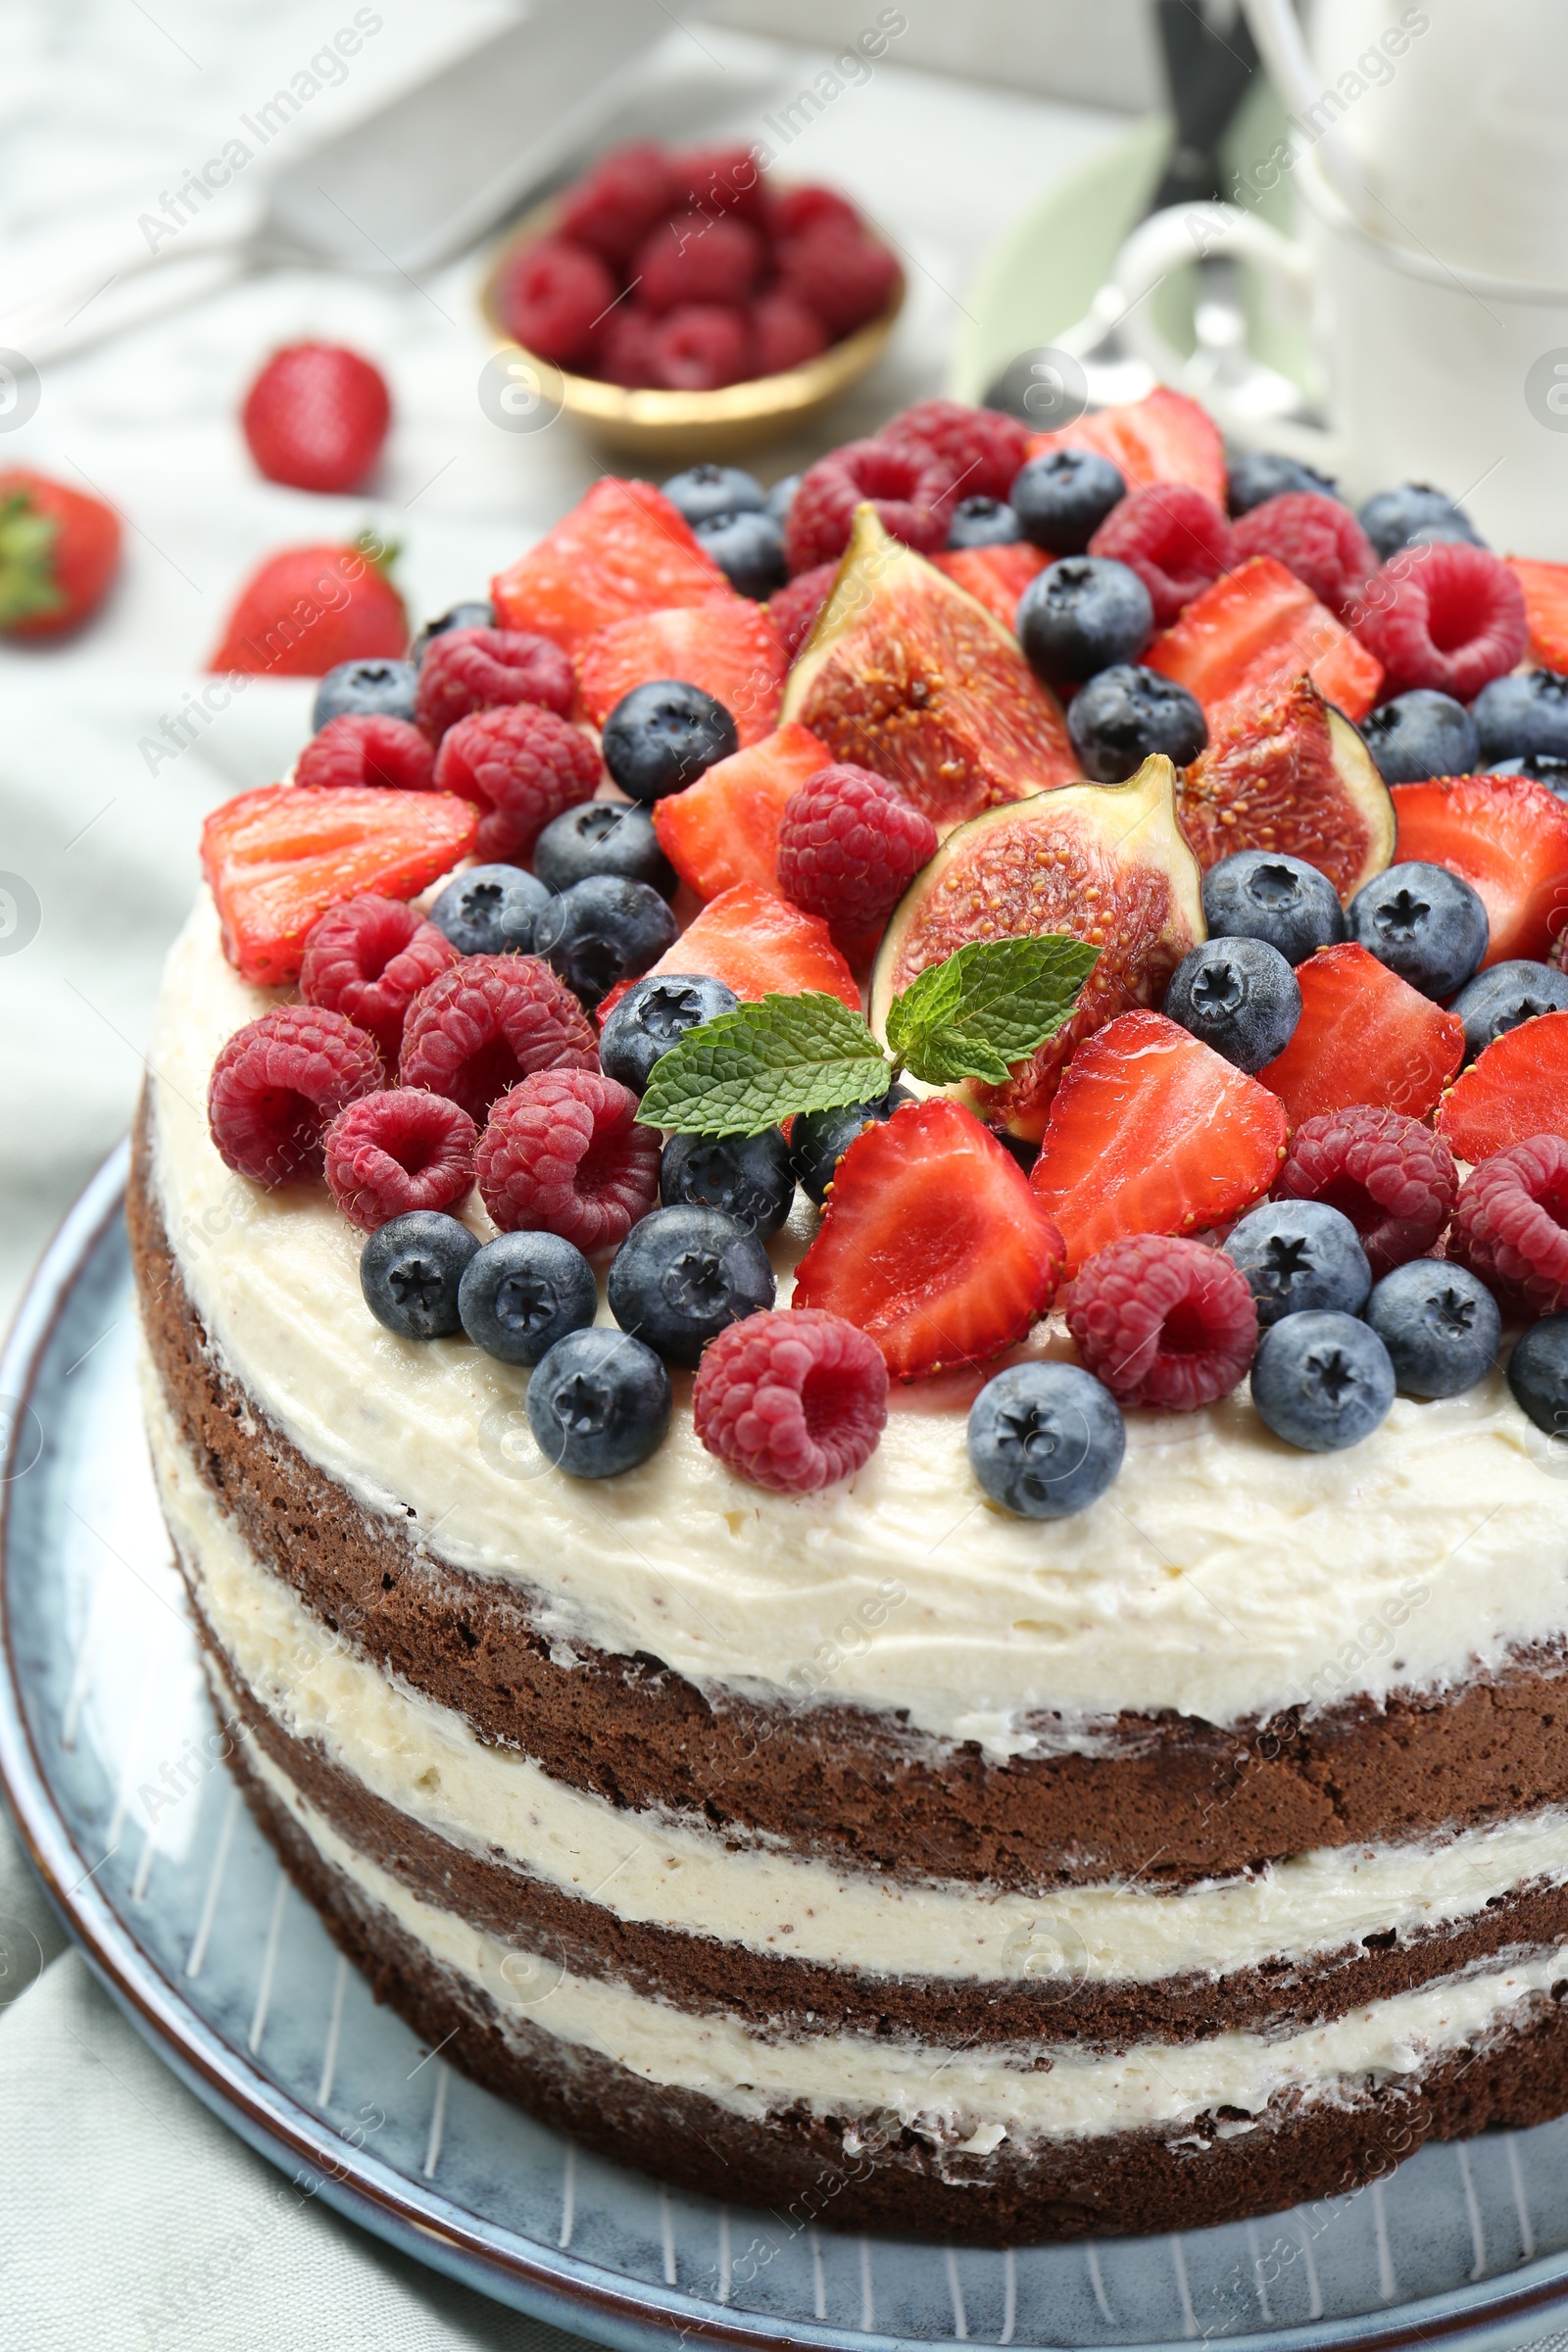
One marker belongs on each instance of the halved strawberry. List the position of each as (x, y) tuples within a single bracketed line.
[(1508, 836), (995, 576), (727, 645), (1546, 587), (723, 829), (1152, 1132), (1365, 1036), (1516, 1089), (277, 860), (1257, 631), (932, 1242), (759, 945), (622, 549), (1164, 437)]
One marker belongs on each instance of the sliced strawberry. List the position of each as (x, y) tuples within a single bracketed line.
[(1256, 631), (622, 549), (1516, 1089), (1546, 587), (1152, 1131), (1162, 438), (1365, 1036), (932, 1242), (1509, 837), (727, 645), (723, 829), (277, 860), (759, 945), (995, 576)]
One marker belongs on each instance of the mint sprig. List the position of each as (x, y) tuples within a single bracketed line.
[(990, 1004)]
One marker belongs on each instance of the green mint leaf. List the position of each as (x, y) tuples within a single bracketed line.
[(749, 1068), (987, 1006)]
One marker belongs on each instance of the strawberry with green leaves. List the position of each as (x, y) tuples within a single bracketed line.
[(59, 551)]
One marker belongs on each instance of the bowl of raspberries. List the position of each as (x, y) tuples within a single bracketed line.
[(684, 297)]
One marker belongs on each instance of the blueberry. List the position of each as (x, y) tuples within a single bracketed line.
[(1124, 714), (1261, 893), (1502, 997), (601, 932), (1299, 1256), (1538, 1374), (702, 493), (983, 523), (781, 498), (1413, 514), (365, 690), (819, 1139), (490, 910), (655, 1015), (599, 1403), (1524, 711), (1546, 767), (1322, 1381), (1439, 1325), (1259, 473), (1421, 734), (602, 837), (523, 1292), (1082, 615), (747, 1176), (1240, 996), (409, 1269), (664, 736), (1062, 497), (749, 550), (476, 615), (1045, 1440), (1423, 922), (683, 1275)]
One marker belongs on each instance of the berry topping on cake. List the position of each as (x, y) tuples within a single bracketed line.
[(747, 1176), (1365, 1036), (723, 829), (1439, 1324), (794, 1402), (1126, 716), (1538, 1374), (792, 610), (411, 1269), (1290, 775), (599, 1403), (1545, 593), (1176, 540), (490, 910), (399, 1150), (1240, 996), (280, 1083), (1061, 498), (1299, 1254), (1388, 1174), (1257, 475), (983, 448), (563, 1154), (1082, 615), (982, 522), (603, 932), (1322, 1381), (369, 960), (1511, 1224), (373, 689), (819, 1139), (652, 1018), (601, 837), (523, 1292), (683, 1275), (1516, 1089), (1166, 437), (749, 550), (316, 416), (709, 493), (1414, 515), (1246, 639), (384, 752), (1520, 715), (469, 613), (911, 490), (520, 766), (848, 844), (489, 1022), (995, 576), (665, 734), (1443, 615), (1504, 996), (1508, 838), (1262, 894), (1422, 921), (1421, 734), (478, 669), (1044, 1439), (1316, 537), (1162, 1322), (622, 549), (309, 609), (727, 649)]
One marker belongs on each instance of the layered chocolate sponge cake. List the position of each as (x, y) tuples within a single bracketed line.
[(855, 1338)]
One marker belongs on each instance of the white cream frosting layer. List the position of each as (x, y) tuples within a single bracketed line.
[(1224, 1575), (423, 1759), (972, 2097)]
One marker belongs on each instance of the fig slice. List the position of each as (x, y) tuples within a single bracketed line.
[(1107, 864), (907, 675), (1295, 777)]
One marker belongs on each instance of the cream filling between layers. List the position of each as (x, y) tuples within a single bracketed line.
[(1224, 1575), (959, 2095), (644, 1868)]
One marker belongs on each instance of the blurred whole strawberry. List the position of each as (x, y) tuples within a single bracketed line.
[(307, 608), (59, 551), (316, 418)]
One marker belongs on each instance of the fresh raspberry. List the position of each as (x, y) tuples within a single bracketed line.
[(911, 492), (1443, 615), (280, 1083), (696, 258), (794, 1401), (794, 607), (1511, 1224), (1174, 538), (316, 416), (402, 1149), (701, 347), (1162, 1322), (1317, 538), (841, 273), (613, 207), (368, 959), (626, 354), (724, 180), (488, 1023), (384, 752), (564, 1154), (796, 209), (984, 447), (848, 844), (552, 296), (521, 765), (785, 334), (479, 670), (1388, 1174)]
